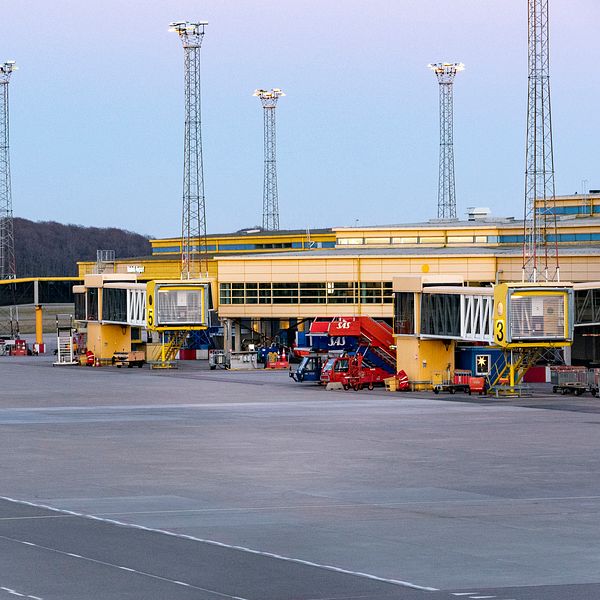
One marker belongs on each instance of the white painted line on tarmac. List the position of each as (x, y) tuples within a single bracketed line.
[(15, 593), (463, 593), (299, 561), (107, 564)]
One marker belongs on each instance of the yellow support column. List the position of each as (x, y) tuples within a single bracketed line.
[(39, 324)]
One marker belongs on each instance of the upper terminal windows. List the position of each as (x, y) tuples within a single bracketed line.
[(330, 292)]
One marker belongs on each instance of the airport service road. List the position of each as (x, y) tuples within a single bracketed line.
[(211, 484)]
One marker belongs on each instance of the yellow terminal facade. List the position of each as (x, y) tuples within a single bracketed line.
[(272, 281)]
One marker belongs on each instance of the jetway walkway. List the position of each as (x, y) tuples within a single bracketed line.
[(457, 313)]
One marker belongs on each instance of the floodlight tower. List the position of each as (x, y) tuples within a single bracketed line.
[(269, 100), (540, 256), (7, 240), (445, 73), (194, 257)]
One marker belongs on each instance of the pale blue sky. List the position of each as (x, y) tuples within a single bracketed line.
[(97, 107)]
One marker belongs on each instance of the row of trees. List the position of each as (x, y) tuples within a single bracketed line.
[(47, 248)]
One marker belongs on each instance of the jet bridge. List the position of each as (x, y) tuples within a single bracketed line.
[(432, 313)]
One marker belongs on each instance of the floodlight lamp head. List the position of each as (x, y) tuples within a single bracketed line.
[(191, 34), (446, 71), (269, 98), (6, 69)]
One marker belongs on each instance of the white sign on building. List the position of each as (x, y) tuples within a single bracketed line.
[(135, 268)]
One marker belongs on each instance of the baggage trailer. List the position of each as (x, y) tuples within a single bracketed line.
[(135, 358), (443, 381), (593, 378), (571, 380)]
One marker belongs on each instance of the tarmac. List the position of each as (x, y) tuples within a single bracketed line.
[(139, 484)]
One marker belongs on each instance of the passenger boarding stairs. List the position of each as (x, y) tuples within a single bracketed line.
[(522, 360), (65, 349), (170, 349), (375, 340)]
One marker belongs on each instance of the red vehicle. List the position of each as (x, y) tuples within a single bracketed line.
[(351, 372)]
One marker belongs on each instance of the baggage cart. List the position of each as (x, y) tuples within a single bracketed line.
[(443, 381), (569, 380)]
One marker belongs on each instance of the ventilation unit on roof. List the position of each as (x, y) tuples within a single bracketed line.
[(479, 213)]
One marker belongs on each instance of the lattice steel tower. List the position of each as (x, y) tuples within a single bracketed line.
[(7, 240), (194, 258), (540, 255), (268, 100), (445, 73)]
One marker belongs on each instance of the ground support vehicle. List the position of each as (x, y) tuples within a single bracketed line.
[(217, 358), (444, 381), (135, 358), (477, 385), (352, 372), (571, 380), (365, 346), (309, 368)]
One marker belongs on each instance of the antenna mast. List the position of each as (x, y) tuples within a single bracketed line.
[(194, 251), (7, 239), (445, 73), (268, 100), (540, 255)]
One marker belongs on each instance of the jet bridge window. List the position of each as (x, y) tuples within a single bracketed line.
[(404, 313), (537, 317), (179, 307), (440, 315), (79, 307), (114, 305), (92, 304)]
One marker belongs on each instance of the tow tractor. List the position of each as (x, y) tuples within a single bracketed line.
[(351, 372), (309, 368)]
